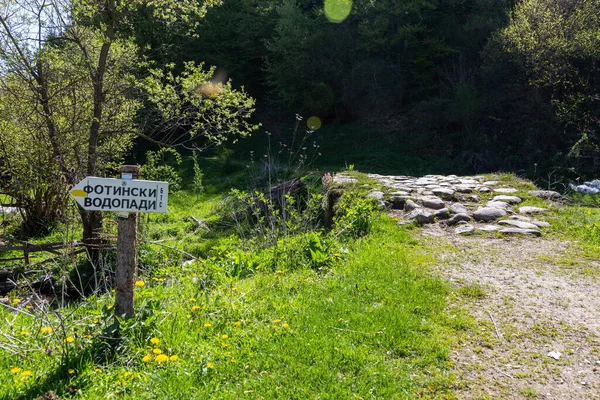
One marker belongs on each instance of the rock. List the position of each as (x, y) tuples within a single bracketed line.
[(400, 193), (505, 190), (421, 216), (498, 204), (508, 199), (520, 218), (443, 213), (458, 208), (464, 230), (488, 228), (344, 180), (462, 188), (410, 205), (489, 214), (490, 183), (484, 189), (398, 202), (435, 203), (444, 193), (474, 198), (532, 210), (384, 204), (5, 301), (519, 231), (375, 195), (555, 355), (518, 224), (545, 194), (458, 218), (541, 224)]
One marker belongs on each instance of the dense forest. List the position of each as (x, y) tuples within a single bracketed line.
[(494, 84)]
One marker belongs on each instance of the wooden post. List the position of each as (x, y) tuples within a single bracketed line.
[(125, 273)]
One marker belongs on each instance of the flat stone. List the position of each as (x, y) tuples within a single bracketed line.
[(458, 218), (435, 203), (518, 224), (462, 188), (464, 230), (505, 190), (344, 179), (532, 210), (400, 193), (545, 194), (488, 228), (421, 216), (520, 218), (541, 224), (376, 195), (484, 189), (498, 204), (443, 213), (444, 193), (508, 199), (519, 231), (410, 205), (458, 208), (490, 183), (473, 198), (489, 214)]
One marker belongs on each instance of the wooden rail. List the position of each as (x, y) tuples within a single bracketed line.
[(28, 248)]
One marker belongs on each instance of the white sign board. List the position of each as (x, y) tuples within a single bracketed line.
[(108, 194)]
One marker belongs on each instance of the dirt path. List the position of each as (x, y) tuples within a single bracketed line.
[(526, 305)]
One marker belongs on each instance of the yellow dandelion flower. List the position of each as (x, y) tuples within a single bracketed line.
[(25, 374), (109, 307), (155, 340), (192, 299), (210, 365), (195, 308), (238, 324), (194, 275), (15, 370), (285, 325), (25, 333), (174, 358), (140, 283), (112, 290), (232, 360), (224, 345), (157, 351), (276, 321), (161, 358), (46, 329), (16, 301), (147, 358), (225, 336), (28, 306), (69, 340), (71, 371), (95, 320), (207, 325), (128, 374), (98, 370)]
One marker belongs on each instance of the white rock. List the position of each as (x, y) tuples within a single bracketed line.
[(508, 199), (555, 355), (532, 210), (505, 190), (518, 224), (489, 214), (464, 230)]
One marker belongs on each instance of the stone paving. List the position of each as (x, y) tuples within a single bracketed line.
[(454, 201)]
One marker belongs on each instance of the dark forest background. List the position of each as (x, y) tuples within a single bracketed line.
[(485, 84)]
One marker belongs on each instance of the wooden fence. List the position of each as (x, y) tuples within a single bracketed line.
[(29, 248)]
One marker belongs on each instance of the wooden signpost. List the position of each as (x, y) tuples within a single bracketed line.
[(128, 196)]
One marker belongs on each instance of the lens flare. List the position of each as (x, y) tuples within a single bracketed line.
[(314, 123), (337, 10)]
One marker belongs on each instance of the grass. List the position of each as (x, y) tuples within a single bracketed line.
[(373, 323)]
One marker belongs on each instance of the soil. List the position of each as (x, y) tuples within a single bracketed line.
[(527, 301)]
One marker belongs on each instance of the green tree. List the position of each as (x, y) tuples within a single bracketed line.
[(557, 46), (67, 81)]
